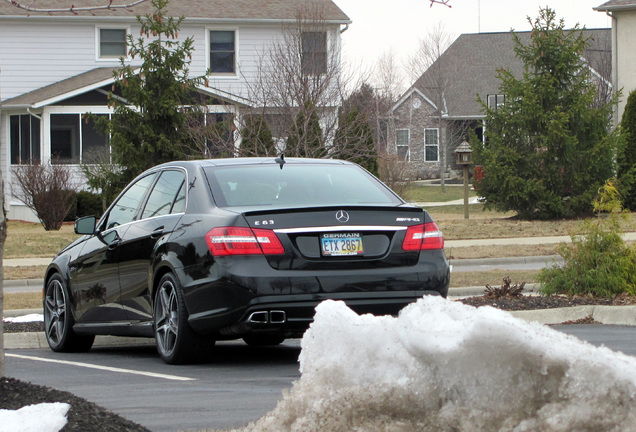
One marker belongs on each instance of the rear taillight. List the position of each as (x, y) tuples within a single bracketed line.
[(243, 241), (423, 237)]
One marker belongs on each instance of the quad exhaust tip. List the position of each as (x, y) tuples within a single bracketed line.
[(267, 317)]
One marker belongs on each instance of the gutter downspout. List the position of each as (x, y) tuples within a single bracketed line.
[(616, 119), (33, 114), (346, 27)]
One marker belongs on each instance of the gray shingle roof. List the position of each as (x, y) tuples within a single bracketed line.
[(92, 79), (60, 88), (477, 57), (275, 10), (616, 5)]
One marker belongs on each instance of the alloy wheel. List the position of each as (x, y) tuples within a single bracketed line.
[(55, 312), (167, 318)]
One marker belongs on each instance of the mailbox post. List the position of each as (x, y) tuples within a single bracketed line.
[(462, 158)]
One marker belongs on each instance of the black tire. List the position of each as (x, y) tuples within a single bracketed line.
[(177, 343), (269, 339), (59, 321)]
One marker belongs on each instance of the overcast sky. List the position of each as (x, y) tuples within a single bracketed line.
[(397, 25)]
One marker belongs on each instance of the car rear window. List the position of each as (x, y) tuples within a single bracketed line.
[(296, 185)]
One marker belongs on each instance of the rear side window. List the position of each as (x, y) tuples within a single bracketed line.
[(296, 185), (164, 195)]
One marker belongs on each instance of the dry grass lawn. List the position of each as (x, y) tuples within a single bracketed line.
[(30, 300), (490, 224), (30, 240), (24, 272), (491, 277)]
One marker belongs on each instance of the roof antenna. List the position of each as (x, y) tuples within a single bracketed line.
[(280, 160)]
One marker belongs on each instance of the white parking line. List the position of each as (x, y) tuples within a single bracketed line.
[(105, 368)]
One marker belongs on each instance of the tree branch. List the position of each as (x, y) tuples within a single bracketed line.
[(442, 2), (108, 4)]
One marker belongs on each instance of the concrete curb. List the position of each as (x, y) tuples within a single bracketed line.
[(616, 315), (24, 283), (34, 340)]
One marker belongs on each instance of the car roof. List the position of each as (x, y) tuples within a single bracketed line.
[(251, 161)]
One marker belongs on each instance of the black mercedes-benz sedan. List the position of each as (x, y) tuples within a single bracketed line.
[(199, 251)]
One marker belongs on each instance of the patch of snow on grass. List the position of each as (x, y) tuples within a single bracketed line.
[(25, 318)]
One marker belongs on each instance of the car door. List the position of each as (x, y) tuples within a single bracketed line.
[(161, 212), (95, 272)]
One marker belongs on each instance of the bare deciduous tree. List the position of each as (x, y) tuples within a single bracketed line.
[(105, 4), (442, 2), (434, 70), (297, 76), (47, 190)]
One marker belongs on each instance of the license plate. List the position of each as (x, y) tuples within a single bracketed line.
[(341, 244)]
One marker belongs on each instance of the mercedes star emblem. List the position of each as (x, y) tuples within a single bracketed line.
[(342, 216)]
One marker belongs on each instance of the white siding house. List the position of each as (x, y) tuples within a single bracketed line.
[(623, 14), (54, 67)]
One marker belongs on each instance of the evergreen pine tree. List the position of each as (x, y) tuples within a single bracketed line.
[(627, 155), (256, 138), (305, 137), (354, 139), (548, 148), (149, 123)]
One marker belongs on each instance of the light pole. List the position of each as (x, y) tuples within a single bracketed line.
[(462, 157)]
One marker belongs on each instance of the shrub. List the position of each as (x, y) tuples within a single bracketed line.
[(505, 290), (598, 263), (88, 204), (47, 190), (395, 172)]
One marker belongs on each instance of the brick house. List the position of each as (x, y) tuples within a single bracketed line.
[(441, 108)]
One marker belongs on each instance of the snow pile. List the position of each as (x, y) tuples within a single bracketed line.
[(45, 417), (445, 366), (25, 318)]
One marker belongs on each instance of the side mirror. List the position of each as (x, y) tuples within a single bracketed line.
[(85, 225)]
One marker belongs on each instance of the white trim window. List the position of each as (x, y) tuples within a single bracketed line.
[(402, 137), (24, 139), (495, 101), (111, 42), (313, 57), (74, 139), (431, 145), (222, 52)]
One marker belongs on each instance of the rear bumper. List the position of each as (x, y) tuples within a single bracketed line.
[(293, 314), (223, 305)]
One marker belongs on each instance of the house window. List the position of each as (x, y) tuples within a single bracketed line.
[(402, 141), (24, 131), (112, 43), (403, 152), (314, 53), (402, 136), (495, 101), (75, 140), (431, 145), (222, 52)]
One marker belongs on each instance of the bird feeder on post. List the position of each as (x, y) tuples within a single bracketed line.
[(462, 158)]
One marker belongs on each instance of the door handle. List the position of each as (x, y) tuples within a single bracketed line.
[(158, 232)]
